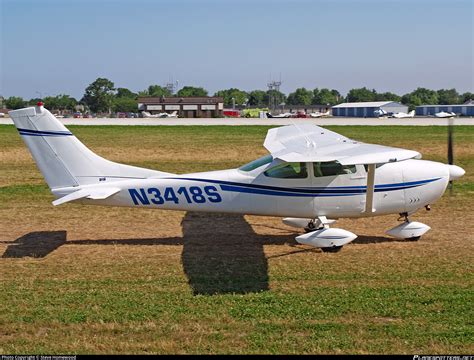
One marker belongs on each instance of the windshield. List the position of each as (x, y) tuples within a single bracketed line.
[(267, 159)]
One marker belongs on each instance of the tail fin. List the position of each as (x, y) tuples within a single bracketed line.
[(62, 159)]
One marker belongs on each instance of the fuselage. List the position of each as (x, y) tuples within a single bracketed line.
[(400, 187)]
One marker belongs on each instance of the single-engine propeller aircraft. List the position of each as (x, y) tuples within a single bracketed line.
[(318, 114), (174, 114), (311, 177), (444, 114), (282, 115), (402, 115)]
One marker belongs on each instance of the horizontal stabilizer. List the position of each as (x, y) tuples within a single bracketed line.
[(89, 193)]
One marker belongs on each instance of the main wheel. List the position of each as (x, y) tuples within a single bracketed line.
[(310, 228), (332, 249), (414, 238)]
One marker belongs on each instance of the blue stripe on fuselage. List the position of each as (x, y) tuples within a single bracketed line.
[(307, 192)]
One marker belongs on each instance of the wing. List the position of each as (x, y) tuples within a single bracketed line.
[(311, 143)]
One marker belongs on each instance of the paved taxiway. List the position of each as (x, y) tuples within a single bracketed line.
[(421, 121)]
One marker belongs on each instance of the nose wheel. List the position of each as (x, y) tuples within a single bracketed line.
[(409, 230)]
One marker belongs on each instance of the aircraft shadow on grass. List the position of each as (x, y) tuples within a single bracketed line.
[(221, 252)]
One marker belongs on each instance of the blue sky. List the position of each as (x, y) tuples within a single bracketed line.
[(61, 46)]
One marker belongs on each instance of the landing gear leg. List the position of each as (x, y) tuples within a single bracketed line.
[(404, 216), (321, 223), (310, 227)]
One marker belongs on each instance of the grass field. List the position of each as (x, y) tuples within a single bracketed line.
[(78, 279)]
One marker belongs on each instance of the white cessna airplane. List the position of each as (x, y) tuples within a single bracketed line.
[(282, 115), (318, 114), (402, 115), (444, 114), (312, 176), (146, 114)]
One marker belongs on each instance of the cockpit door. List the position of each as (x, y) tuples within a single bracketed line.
[(289, 186), (340, 189)]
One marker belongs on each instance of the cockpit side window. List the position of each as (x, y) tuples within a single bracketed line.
[(332, 168), (267, 159), (288, 171)]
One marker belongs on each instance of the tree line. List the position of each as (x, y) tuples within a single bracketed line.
[(101, 96)]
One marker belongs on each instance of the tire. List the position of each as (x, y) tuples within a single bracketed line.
[(310, 228), (332, 249), (414, 238)]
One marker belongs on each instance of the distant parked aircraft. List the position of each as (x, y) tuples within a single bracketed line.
[(146, 114), (402, 115), (318, 114), (283, 115), (380, 113), (444, 114)]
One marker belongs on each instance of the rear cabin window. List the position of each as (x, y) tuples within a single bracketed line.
[(332, 168), (267, 159), (288, 171)]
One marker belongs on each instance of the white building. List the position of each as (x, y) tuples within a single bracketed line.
[(367, 109)]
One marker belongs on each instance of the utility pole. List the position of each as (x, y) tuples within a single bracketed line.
[(273, 89), (171, 85)]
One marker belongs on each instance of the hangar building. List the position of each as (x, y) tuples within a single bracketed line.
[(463, 109), (366, 109), (187, 107)]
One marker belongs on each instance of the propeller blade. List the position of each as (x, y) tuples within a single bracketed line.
[(450, 142), (450, 150)]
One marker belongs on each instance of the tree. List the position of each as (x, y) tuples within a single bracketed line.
[(99, 95), (326, 97), (258, 98), (239, 97), (387, 96), (60, 102), (51, 102), (277, 96), (301, 96), (420, 96), (125, 93), (192, 91), (34, 101), (448, 97), (124, 104), (156, 90), (467, 96), (15, 102), (361, 95)]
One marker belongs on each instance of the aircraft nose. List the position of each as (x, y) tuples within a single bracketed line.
[(455, 172)]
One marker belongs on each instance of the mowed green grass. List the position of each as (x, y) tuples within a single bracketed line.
[(78, 279)]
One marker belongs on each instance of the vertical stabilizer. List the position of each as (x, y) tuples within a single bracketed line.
[(62, 159)]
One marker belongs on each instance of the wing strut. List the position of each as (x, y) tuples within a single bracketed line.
[(369, 199)]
